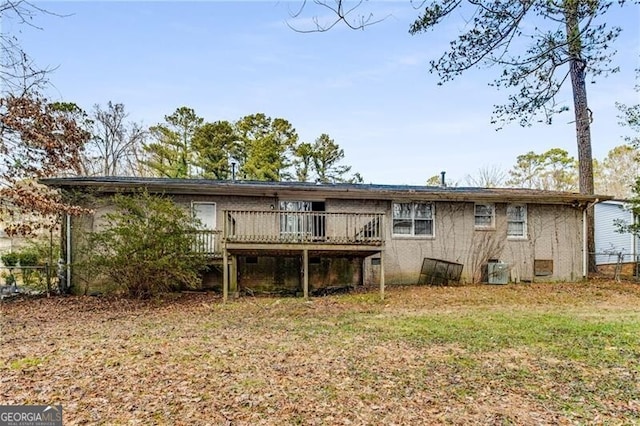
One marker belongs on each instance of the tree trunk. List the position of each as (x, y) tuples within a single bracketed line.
[(582, 119)]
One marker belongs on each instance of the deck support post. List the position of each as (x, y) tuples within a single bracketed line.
[(381, 275), (225, 274), (305, 273), (233, 279)]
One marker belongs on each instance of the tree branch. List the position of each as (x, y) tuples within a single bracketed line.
[(340, 13)]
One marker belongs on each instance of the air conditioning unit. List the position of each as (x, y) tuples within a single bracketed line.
[(498, 273)]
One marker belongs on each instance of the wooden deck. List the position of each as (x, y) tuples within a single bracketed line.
[(280, 232), (289, 231)]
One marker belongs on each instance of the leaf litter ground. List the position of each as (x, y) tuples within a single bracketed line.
[(516, 354)]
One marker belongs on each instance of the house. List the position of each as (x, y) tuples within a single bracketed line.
[(612, 247), (306, 238)]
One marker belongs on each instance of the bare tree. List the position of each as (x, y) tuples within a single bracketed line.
[(630, 116), (487, 177), (38, 138), (116, 143), (19, 73), (340, 11), (617, 173)]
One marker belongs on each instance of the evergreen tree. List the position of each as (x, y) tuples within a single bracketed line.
[(215, 143), (172, 154)]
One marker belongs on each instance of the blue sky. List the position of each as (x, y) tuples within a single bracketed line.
[(369, 90)]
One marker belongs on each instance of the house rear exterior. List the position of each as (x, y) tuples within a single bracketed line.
[(305, 238)]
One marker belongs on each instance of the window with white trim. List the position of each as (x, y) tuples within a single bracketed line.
[(413, 219), (206, 240), (206, 212), (485, 216), (516, 221)]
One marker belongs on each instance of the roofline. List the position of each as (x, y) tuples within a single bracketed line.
[(620, 201), (307, 190)]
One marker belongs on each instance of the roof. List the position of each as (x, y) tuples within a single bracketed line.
[(306, 190)]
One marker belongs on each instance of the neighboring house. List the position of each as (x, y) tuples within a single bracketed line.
[(303, 237), (612, 246)]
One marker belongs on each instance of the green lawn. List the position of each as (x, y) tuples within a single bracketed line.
[(515, 354)]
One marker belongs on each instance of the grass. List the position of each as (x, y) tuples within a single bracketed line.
[(23, 364), (589, 340), (516, 354)]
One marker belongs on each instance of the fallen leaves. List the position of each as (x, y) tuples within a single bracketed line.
[(334, 360)]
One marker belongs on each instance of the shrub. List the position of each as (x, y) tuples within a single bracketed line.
[(10, 259), (46, 253), (28, 258), (9, 279), (146, 246)]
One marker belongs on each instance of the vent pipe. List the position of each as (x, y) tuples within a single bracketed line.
[(442, 180)]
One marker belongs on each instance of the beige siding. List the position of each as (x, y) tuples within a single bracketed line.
[(230, 203), (357, 206), (554, 233)]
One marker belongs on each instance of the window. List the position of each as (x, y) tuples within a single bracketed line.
[(414, 219), (484, 216), (516, 221), (206, 240), (206, 212)]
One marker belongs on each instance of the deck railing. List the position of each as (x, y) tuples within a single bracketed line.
[(279, 226), (208, 242)]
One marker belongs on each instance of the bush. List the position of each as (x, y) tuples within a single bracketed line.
[(10, 259), (146, 247), (46, 253), (9, 279), (28, 258)]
